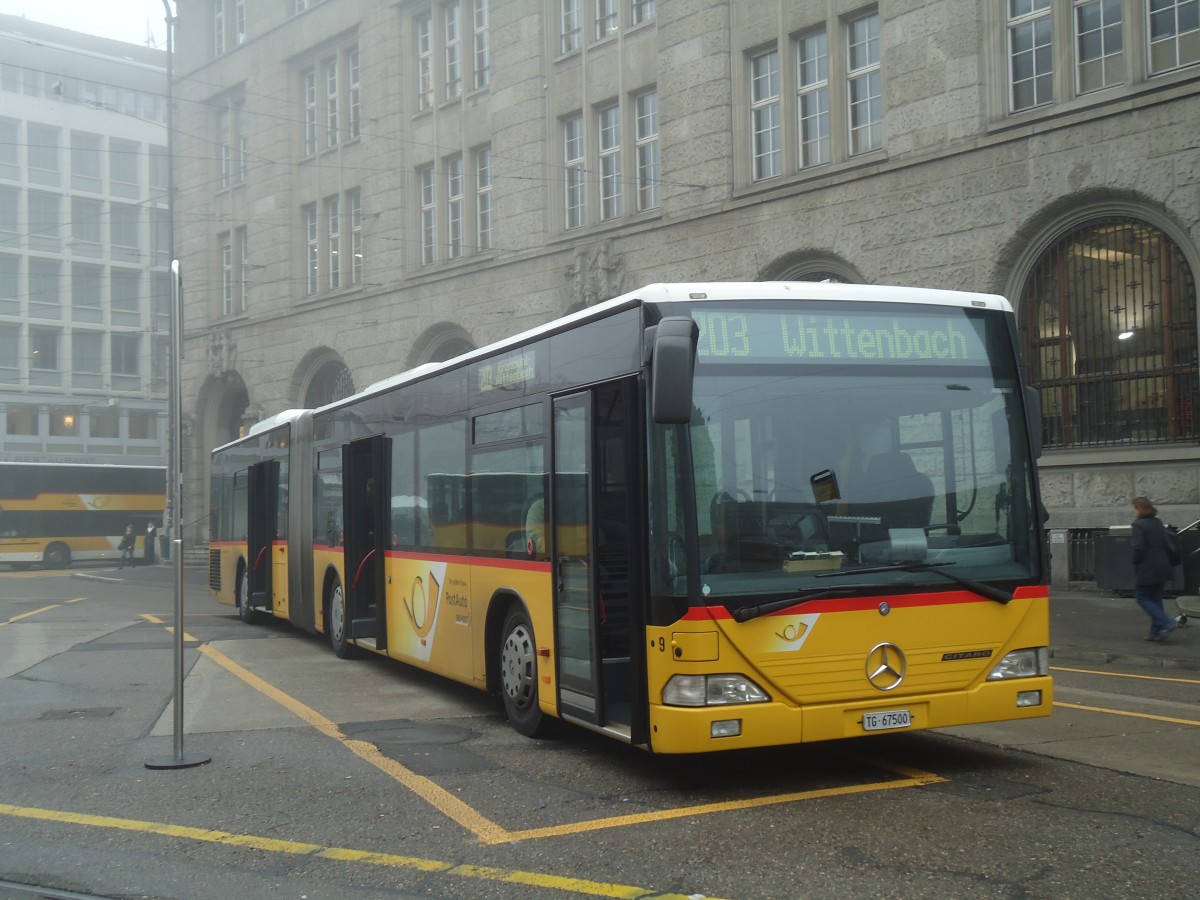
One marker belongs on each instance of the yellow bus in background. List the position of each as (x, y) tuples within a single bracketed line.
[(696, 517), (55, 514)]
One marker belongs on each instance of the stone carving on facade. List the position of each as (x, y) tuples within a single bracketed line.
[(222, 354), (596, 274)]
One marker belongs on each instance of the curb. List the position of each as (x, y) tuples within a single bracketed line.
[(1078, 654)]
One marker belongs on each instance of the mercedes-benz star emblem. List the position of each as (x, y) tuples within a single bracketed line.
[(886, 666)]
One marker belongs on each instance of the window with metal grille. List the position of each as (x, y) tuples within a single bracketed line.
[(1108, 317)]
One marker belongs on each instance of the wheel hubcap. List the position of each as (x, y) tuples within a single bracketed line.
[(517, 666), (337, 614)]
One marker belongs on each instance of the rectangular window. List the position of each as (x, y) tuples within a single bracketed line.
[(609, 129), (482, 50), (483, 199), (354, 201), (640, 11), (333, 231), (43, 349), (240, 143), (1030, 54), (243, 282), (863, 84), (86, 172), (812, 80), (354, 77), (45, 298), (428, 215), (125, 220), (453, 51), (573, 166), (10, 219), (125, 352), (766, 149), (142, 425), (1099, 43), (309, 81), (159, 169), (86, 289), (10, 292), (43, 154), (454, 206), (85, 224), (239, 22), (607, 18), (226, 275), (224, 149), (43, 220), (10, 160), (123, 167), (218, 9), (22, 419), (646, 136), (125, 285), (64, 421), (571, 29), (424, 29), (310, 249), (10, 354), (1174, 34), (86, 349), (331, 102)]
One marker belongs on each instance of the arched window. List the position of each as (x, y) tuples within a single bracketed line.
[(332, 381), (1108, 318)]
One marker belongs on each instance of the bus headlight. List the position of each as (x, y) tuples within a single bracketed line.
[(712, 690), (1022, 664)]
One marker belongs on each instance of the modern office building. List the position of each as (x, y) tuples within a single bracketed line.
[(364, 187), (83, 248)]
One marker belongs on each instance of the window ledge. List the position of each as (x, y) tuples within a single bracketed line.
[(1133, 453)]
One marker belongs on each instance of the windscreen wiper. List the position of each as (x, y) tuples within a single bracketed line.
[(746, 613), (983, 590)]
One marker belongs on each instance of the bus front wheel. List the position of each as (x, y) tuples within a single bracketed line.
[(518, 675), (336, 622), (57, 556), (244, 609)]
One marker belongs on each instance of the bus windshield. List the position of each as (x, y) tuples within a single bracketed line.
[(887, 440)]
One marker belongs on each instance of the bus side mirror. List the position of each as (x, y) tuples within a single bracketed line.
[(1033, 419), (672, 344)]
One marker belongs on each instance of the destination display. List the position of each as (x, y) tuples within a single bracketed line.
[(840, 337)]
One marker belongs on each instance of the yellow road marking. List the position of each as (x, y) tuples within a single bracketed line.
[(170, 628), (1125, 675), (343, 854), (491, 833), (1121, 712), (28, 614)]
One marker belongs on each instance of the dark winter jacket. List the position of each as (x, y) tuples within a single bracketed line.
[(1151, 562)]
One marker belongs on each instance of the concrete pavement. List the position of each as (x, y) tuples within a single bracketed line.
[(1089, 625)]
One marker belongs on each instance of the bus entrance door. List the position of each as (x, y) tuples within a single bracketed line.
[(365, 469), (263, 501), (592, 577)]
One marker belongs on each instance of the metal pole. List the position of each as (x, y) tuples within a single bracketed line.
[(178, 759)]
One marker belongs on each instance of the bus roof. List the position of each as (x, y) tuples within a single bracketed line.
[(664, 295)]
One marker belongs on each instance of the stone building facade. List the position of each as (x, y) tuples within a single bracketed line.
[(364, 187)]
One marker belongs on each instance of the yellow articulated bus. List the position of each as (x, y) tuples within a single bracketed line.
[(58, 513), (696, 517)]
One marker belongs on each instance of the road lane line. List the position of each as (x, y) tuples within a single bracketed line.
[(344, 854), (1132, 715), (1126, 675), (28, 614), (490, 832)]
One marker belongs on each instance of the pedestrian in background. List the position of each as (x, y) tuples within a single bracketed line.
[(128, 542), (148, 551), (1154, 554)]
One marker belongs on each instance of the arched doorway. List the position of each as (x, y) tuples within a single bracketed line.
[(332, 381), (1108, 321)]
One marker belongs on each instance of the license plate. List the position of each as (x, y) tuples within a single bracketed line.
[(886, 720)]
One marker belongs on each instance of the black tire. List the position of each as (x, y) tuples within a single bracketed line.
[(244, 611), (57, 556), (335, 622), (517, 658)]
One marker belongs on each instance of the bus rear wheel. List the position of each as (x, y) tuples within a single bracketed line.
[(57, 556), (518, 675)]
